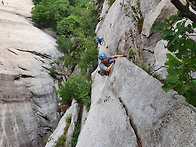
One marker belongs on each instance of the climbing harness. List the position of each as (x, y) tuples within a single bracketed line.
[(138, 142)]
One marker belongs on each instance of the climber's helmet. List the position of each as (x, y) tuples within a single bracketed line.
[(101, 56)]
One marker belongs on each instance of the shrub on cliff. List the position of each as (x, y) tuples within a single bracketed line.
[(49, 13), (77, 88)]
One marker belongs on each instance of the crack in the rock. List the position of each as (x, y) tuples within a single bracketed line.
[(158, 69), (40, 95), (46, 127), (17, 77), (12, 101), (22, 68), (147, 50), (130, 121), (36, 53), (39, 60), (12, 51), (34, 100), (46, 68), (42, 115)]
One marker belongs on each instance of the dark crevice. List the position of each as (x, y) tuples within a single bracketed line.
[(12, 51), (130, 121), (34, 100), (41, 95), (13, 101), (46, 68), (17, 77), (23, 68), (42, 116), (48, 128), (36, 53), (39, 60), (147, 50), (158, 69)]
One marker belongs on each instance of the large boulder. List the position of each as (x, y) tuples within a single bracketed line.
[(28, 107), (131, 103)]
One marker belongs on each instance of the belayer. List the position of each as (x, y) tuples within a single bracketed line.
[(107, 62)]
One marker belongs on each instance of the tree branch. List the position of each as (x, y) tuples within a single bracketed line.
[(184, 10)]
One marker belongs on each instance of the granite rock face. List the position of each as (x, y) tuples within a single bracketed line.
[(127, 25), (28, 108), (131, 104), (65, 127), (136, 105)]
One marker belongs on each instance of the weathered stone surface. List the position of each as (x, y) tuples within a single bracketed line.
[(116, 29), (163, 10), (119, 28), (73, 110), (160, 55), (28, 108), (107, 124), (148, 5), (158, 118), (147, 104), (176, 119)]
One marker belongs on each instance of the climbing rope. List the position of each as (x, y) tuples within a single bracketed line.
[(138, 142), (111, 85)]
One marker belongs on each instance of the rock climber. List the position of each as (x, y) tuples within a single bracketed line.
[(100, 40), (107, 62)]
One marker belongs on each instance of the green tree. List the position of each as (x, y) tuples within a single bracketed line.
[(110, 2), (48, 13), (88, 60), (77, 88), (67, 25), (67, 44), (42, 16), (36, 2), (75, 22), (182, 64)]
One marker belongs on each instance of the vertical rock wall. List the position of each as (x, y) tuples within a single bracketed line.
[(127, 25), (131, 104), (28, 108)]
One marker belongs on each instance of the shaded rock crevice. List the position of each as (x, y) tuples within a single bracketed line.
[(134, 126), (17, 77), (22, 68), (12, 51), (42, 55)]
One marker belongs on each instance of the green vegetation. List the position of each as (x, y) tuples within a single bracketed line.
[(77, 88), (75, 134), (110, 2), (75, 22), (36, 2), (182, 62), (131, 54), (52, 70), (61, 140), (68, 118)]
